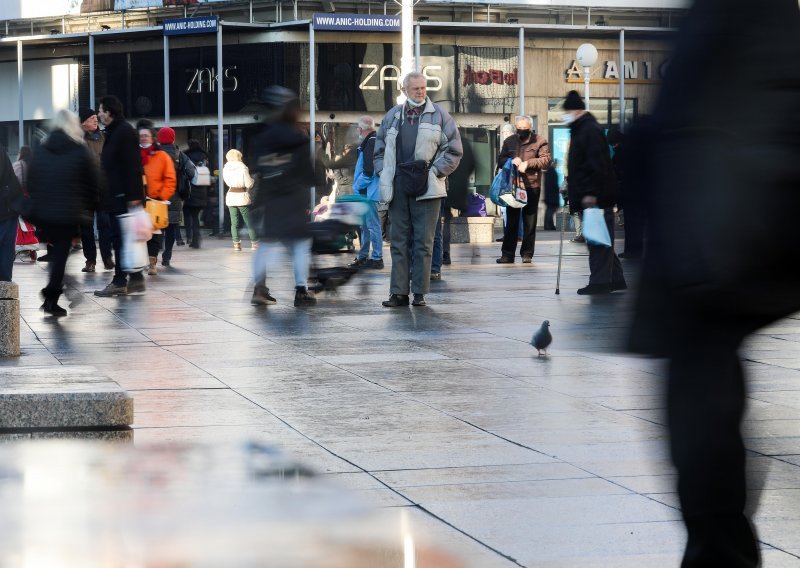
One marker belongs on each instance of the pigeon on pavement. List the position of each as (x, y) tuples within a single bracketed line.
[(542, 338)]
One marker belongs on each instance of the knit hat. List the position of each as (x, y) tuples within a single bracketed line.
[(166, 135), (85, 113), (574, 102)]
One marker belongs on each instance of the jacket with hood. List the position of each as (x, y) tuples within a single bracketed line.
[(63, 182), (237, 177)]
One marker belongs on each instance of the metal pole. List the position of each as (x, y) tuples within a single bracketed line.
[(166, 80), (406, 38), (586, 72), (416, 48), (220, 148), (622, 80), (312, 110), (19, 94), (251, 11), (521, 73), (91, 72)]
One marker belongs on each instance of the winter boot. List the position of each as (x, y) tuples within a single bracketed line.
[(50, 304), (262, 297), (302, 297), (151, 269)]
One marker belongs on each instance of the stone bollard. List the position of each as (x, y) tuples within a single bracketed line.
[(9, 319)]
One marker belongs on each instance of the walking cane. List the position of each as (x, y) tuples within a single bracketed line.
[(561, 248)]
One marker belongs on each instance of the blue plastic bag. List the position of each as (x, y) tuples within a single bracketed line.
[(594, 227), (501, 184)]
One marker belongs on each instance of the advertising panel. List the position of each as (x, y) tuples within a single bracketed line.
[(487, 79)]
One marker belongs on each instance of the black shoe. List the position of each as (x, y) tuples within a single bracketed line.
[(527, 259), (616, 286), (302, 297), (108, 263), (500, 240), (164, 262), (505, 260), (578, 240), (44, 258), (630, 256), (113, 289), (50, 304), (194, 245), (375, 264), (396, 301), (262, 297), (446, 259), (419, 300), (136, 286), (357, 263), (592, 289), (181, 243), (436, 275), (90, 267)]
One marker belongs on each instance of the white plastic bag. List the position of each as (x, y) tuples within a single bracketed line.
[(594, 227), (137, 229)]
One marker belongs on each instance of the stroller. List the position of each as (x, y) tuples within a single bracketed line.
[(329, 236), (27, 244)]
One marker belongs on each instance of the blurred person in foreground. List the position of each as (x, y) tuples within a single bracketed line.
[(64, 188), (718, 264), (281, 207), (10, 198)]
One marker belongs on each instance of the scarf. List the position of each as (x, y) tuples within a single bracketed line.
[(146, 153)]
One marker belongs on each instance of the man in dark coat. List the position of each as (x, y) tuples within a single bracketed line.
[(591, 183), (10, 194), (718, 266), (281, 206), (121, 162), (531, 154)]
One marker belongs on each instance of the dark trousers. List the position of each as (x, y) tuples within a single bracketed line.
[(705, 404), (154, 245), (634, 229), (413, 229), (120, 277), (170, 234), (384, 217), (604, 265), (191, 218), (60, 244), (8, 243), (549, 217), (104, 236), (529, 215)]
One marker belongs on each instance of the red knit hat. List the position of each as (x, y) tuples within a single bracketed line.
[(166, 135)]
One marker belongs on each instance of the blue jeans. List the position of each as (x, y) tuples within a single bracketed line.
[(266, 257), (8, 244), (371, 234)]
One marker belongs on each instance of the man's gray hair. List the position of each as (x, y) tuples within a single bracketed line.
[(366, 122), (412, 75), (526, 118)]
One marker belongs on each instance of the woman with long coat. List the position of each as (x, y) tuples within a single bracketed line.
[(63, 183)]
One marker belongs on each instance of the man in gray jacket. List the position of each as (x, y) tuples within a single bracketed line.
[(419, 132)]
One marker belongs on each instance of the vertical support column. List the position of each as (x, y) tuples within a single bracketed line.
[(220, 137), (622, 80), (92, 98), (19, 94), (251, 11), (406, 38), (521, 72), (417, 48), (312, 105), (166, 80)]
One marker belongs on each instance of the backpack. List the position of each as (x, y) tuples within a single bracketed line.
[(203, 175), (184, 189)]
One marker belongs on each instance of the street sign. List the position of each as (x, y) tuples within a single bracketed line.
[(186, 26), (357, 22)]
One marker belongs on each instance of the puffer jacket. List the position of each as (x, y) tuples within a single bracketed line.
[(237, 177), (64, 181), (438, 141), (160, 175)]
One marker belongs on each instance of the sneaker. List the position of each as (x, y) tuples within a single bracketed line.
[(375, 264), (237, 246), (112, 290), (593, 289), (578, 240), (446, 259), (108, 263), (527, 259), (262, 297), (419, 300), (302, 297), (396, 301), (436, 275), (254, 245), (616, 286), (505, 260), (89, 267), (358, 263), (136, 286)]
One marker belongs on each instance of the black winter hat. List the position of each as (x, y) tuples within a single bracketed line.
[(574, 102), (85, 113)]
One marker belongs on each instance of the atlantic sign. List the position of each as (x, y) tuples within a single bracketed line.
[(357, 22)]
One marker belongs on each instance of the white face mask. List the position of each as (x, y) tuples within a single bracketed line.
[(568, 117), (415, 104), (145, 146)]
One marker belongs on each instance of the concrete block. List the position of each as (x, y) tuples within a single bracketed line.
[(9, 319), (472, 230), (62, 397)]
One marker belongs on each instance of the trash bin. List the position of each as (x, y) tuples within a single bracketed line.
[(9, 319)]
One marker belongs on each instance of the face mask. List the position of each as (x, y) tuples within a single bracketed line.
[(568, 117), (524, 134), (415, 104), (145, 146)]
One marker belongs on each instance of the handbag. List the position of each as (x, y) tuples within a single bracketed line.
[(594, 228), (158, 211), (507, 189), (413, 177)]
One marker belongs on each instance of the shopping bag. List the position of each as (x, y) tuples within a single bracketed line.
[(158, 211), (501, 184), (517, 197), (594, 227), (137, 229)]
